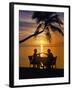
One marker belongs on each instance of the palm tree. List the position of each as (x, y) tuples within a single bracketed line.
[(47, 22)]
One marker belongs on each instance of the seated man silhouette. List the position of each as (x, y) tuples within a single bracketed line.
[(50, 58), (35, 59)]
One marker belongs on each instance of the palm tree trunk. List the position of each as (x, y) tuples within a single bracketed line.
[(30, 37)]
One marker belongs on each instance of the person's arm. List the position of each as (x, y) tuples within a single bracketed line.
[(52, 55), (46, 53), (33, 56), (38, 53)]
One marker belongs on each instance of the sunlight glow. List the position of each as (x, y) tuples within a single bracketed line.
[(41, 48)]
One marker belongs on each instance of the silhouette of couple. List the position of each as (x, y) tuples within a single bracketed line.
[(37, 61)]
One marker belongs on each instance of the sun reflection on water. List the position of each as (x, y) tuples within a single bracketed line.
[(41, 48)]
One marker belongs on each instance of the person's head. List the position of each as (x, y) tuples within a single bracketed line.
[(48, 50), (35, 50)]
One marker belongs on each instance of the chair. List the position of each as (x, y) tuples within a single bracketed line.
[(50, 64), (30, 59), (53, 63), (32, 62)]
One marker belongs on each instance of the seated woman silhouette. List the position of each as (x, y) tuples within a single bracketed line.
[(49, 58), (35, 59)]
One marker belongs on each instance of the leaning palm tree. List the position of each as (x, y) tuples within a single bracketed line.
[(47, 22)]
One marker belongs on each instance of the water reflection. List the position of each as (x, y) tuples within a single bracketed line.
[(28, 50)]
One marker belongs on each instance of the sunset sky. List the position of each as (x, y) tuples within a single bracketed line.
[(27, 26)]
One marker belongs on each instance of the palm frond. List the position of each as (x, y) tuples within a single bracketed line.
[(54, 28), (48, 34), (37, 29), (42, 16), (55, 19)]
